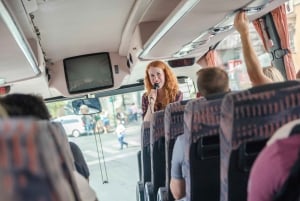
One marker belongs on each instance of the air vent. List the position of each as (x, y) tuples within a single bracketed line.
[(217, 30), (253, 10), (256, 6)]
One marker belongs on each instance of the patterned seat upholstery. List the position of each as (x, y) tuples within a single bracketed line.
[(63, 147), (202, 158), (173, 122), (60, 137), (144, 160), (157, 154), (32, 168), (248, 119)]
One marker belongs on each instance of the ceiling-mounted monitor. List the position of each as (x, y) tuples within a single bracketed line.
[(87, 73)]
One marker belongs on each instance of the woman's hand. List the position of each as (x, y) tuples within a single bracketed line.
[(152, 96)]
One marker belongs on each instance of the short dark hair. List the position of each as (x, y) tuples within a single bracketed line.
[(212, 80), (25, 105)]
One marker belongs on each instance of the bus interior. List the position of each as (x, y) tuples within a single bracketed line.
[(96, 51)]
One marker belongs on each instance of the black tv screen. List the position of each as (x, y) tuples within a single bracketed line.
[(88, 73)]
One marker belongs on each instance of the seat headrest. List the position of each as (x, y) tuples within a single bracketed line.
[(157, 129), (202, 118), (174, 119), (28, 152), (249, 116), (145, 137)]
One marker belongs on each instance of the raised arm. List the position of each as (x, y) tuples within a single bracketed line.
[(254, 68)]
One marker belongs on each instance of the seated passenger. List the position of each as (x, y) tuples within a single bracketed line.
[(277, 166), (256, 74), (161, 88), (211, 80)]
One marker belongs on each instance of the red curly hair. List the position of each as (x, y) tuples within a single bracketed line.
[(170, 87)]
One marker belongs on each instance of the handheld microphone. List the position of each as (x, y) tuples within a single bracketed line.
[(155, 86)]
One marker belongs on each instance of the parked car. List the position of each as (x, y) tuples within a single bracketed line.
[(72, 124)]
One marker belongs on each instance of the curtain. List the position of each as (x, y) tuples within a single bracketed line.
[(210, 59), (280, 21), (259, 28)]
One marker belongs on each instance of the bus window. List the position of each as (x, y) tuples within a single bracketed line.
[(231, 55), (110, 168)]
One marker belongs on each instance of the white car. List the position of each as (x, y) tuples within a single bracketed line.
[(72, 124)]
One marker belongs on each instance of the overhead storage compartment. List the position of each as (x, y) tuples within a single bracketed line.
[(186, 33), (17, 50)]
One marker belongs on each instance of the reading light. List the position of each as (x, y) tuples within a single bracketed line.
[(225, 25), (168, 24), (18, 36), (202, 39)]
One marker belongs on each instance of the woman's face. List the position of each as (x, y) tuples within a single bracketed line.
[(156, 75)]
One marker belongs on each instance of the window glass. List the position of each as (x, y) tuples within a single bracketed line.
[(293, 15), (98, 139), (231, 55)]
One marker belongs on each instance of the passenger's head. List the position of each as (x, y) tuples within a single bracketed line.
[(25, 105), (273, 73), (159, 72), (212, 80)]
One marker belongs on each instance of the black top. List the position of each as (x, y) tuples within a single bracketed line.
[(79, 161)]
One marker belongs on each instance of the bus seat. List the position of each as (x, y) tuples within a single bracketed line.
[(157, 155), (248, 119), (60, 137), (145, 161), (173, 127), (202, 157), (61, 142), (30, 163)]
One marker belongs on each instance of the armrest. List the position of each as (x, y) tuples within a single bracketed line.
[(162, 194), (140, 191), (149, 191)]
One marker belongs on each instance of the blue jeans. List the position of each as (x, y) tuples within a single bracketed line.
[(122, 142)]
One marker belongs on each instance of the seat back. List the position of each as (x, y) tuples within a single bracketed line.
[(157, 145), (60, 137), (145, 152), (31, 164), (62, 145), (173, 128), (201, 133), (248, 119)]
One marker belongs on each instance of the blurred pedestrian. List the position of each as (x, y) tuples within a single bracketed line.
[(120, 131)]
